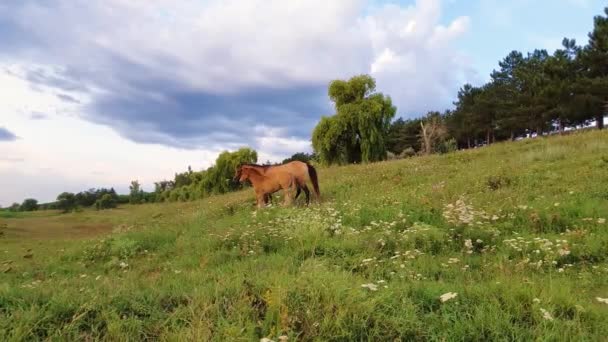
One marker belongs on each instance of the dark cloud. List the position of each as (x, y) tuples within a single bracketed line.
[(144, 104), (6, 135), (192, 118), (67, 98), (150, 74), (60, 80)]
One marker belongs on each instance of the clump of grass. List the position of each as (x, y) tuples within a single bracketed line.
[(497, 182)]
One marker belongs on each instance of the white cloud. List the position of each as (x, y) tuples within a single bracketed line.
[(415, 59), (216, 46)]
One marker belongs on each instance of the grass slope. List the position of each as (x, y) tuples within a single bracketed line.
[(517, 230)]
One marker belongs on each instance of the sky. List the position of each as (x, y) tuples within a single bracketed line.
[(96, 93)]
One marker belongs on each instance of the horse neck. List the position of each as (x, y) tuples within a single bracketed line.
[(260, 169), (256, 177)]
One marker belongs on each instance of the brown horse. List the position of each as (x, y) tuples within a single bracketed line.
[(266, 184), (303, 172)]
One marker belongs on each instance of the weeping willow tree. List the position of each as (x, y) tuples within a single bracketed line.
[(358, 131), (217, 179)]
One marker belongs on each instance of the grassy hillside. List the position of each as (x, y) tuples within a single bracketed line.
[(517, 231)]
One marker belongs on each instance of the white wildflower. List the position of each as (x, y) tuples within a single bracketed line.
[(546, 314), (602, 300), (536, 300), (447, 296), (601, 220), (123, 264), (266, 339), (370, 286), (468, 243)]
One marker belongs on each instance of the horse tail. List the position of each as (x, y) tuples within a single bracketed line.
[(312, 173)]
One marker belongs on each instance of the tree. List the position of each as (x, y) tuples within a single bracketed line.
[(300, 156), (533, 81), (461, 121), (358, 130), (86, 198), (66, 202), (505, 91), (106, 201), (29, 204), (218, 178), (432, 131), (136, 194), (563, 71), (14, 207), (403, 134), (594, 57)]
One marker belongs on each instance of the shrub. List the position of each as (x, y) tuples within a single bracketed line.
[(105, 202), (408, 152)]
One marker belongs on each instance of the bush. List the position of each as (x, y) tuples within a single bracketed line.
[(105, 202), (408, 152), (29, 204), (447, 146)]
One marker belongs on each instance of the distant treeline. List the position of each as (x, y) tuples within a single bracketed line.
[(186, 186)]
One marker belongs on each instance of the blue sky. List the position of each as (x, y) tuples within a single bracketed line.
[(99, 93)]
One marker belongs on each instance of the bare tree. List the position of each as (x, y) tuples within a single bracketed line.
[(432, 131)]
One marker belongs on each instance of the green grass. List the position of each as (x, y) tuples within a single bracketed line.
[(517, 230)]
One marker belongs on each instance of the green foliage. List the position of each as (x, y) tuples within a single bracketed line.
[(447, 146), (106, 201), (301, 156), (403, 134), (358, 130), (66, 202), (136, 194), (217, 179), (29, 204)]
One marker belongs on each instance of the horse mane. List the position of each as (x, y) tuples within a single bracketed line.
[(257, 165)]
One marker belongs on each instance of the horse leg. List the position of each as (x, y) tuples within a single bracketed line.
[(288, 192), (298, 192), (261, 199), (307, 193)]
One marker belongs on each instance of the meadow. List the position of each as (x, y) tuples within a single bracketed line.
[(506, 242)]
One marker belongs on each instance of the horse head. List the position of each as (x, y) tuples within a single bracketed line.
[(242, 173)]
